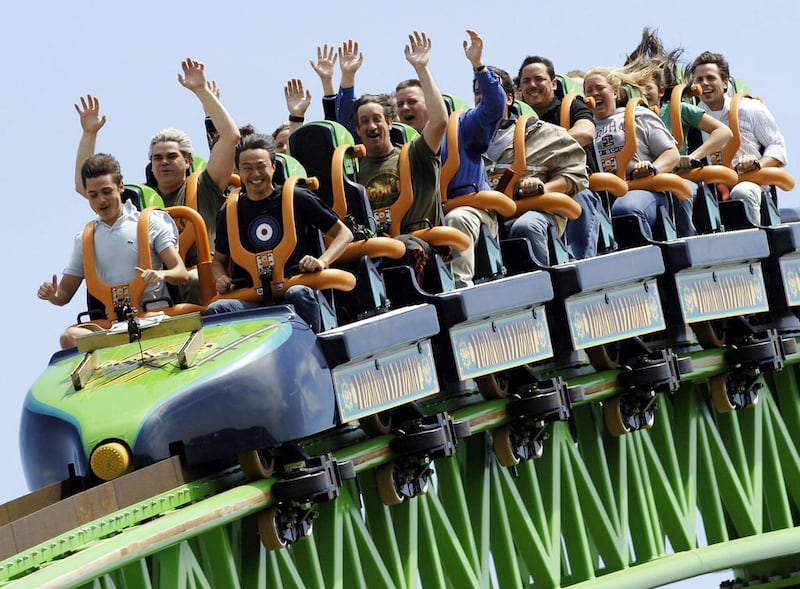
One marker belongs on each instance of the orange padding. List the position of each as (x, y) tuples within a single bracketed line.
[(663, 182), (324, 279), (606, 182), (550, 202), (444, 236), (711, 175), (769, 177), (374, 247), (490, 200)]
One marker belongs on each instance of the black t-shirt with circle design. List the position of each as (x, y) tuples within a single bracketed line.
[(261, 226)]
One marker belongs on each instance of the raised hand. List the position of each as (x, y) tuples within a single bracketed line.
[(194, 75), (418, 52), (326, 60), (89, 111), (297, 99), (350, 58), (474, 48), (213, 87)]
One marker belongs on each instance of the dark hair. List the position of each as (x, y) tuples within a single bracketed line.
[(213, 135), (382, 100), (255, 141), (505, 80), (652, 60), (101, 164), (551, 70), (284, 126), (713, 58)]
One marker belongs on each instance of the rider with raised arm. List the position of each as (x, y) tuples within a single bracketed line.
[(171, 156), (170, 151), (380, 170), (476, 127)]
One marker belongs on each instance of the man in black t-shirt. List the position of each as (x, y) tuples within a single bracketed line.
[(260, 219)]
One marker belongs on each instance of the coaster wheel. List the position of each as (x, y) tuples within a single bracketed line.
[(494, 386), (604, 357), (540, 405), (387, 486), (718, 385), (257, 464), (503, 446), (613, 417), (304, 486), (268, 529), (647, 375), (710, 334), (377, 424), (421, 441), (685, 365), (752, 353)]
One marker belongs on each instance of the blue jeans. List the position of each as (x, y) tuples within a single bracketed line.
[(644, 204), (582, 233), (684, 209), (533, 225), (302, 298)]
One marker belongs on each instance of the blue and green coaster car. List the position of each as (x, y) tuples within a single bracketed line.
[(257, 379)]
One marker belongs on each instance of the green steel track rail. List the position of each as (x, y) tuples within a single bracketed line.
[(594, 511)]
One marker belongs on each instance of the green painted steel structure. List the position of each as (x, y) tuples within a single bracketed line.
[(594, 511)]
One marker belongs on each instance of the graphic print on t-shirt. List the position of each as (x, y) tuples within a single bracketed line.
[(265, 232), (610, 139), (383, 189)]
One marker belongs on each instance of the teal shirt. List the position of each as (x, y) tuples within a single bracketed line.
[(690, 118)]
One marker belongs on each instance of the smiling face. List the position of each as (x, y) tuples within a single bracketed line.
[(169, 166), (374, 130), (712, 84), (411, 107), (537, 87), (105, 197), (256, 169), (596, 86)]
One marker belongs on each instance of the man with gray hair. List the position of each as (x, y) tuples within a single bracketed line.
[(170, 151)]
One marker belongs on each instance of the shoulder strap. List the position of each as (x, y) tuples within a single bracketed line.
[(115, 295)]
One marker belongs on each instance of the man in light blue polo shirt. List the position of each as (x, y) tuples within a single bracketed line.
[(116, 245)]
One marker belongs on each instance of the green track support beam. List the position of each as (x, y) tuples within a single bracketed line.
[(595, 511)]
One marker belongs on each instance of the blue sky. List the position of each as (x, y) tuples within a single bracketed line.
[(128, 54)]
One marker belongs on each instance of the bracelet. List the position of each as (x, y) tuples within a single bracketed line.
[(296, 119), (479, 69)]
